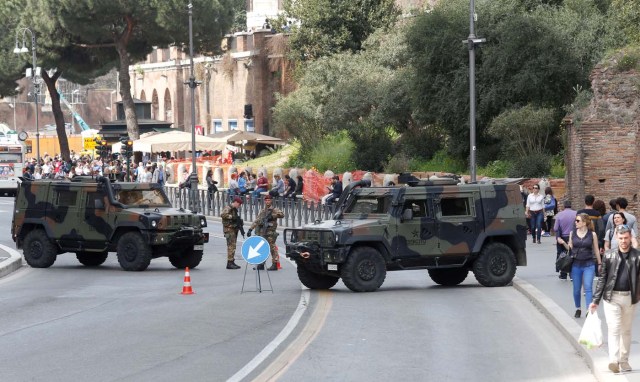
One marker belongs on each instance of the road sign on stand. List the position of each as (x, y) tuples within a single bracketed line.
[(255, 250)]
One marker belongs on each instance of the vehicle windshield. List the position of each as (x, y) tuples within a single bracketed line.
[(368, 204), (147, 198)]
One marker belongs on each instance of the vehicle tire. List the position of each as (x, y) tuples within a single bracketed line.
[(189, 258), (495, 266), (92, 259), (448, 276), (134, 254), (364, 270), (315, 280), (38, 250)]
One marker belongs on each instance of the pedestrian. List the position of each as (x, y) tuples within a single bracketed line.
[(290, 187), (299, 185), (595, 217), (265, 225), (618, 287), (610, 240), (534, 212), (550, 210), (242, 183), (621, 205), (583, 244), (335, 190), (599, 206), (563, 226), (211, 187), (231, 224), (278, 187), (612, 205), (262, 185), (233, 185)]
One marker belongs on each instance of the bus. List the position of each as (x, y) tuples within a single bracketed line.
[(12, 157)]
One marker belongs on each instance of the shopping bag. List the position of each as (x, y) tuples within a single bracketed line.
[(564, 262), (591, 334)]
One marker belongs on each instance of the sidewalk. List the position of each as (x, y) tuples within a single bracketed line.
[(10, 260), (554, 297)]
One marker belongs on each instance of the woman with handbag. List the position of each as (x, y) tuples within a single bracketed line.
[(583, 244)]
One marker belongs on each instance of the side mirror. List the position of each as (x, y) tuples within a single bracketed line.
[(407, 214), (98, 204)]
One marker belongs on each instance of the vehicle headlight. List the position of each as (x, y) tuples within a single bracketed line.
[(154, 223), (203, 222)]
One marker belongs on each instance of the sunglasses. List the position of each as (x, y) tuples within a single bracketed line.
[(623, 228)]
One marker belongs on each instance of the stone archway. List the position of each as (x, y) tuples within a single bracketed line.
[(143, 96), (154, 104), (168, 111)]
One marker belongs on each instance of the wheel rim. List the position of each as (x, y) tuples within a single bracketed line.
[(366, 270), (36, 250), (130, 250), (498, 265)]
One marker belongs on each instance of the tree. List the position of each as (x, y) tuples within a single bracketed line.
[(525, 130), (131, 28), (331, 26), (530, 57)]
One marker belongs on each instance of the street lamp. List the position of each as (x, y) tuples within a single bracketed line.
[(192, 85), (34, 73)]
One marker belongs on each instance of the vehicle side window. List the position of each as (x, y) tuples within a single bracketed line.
[(66, 198), (419, 207), (456, 207), (91, 198)]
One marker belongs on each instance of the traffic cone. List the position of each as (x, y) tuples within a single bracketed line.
[(186, 287), (279, 266)]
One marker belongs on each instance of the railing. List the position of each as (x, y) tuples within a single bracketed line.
[(297, 212)]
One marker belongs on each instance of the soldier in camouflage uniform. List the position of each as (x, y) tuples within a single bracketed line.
[(231, 224), (265, 225)]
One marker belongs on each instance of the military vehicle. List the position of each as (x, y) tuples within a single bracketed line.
[(445, 228), (93, 216)]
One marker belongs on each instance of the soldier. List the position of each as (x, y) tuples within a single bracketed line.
[(265, 225), (231, 224)]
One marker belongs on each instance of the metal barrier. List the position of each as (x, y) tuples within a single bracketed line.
[(297, 212)]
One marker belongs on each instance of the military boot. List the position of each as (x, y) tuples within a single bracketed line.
[(260, 267), (273, 267), (232, 265)]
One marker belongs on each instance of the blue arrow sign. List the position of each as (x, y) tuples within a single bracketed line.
[(255, 250)]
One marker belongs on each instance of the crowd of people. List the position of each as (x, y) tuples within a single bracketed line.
[(602, 246)]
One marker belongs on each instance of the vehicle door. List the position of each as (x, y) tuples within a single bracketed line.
[(95, 216), (64, 214), (457, 221), (416, 230)]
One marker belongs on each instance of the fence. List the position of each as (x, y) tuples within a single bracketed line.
[(297, 212)]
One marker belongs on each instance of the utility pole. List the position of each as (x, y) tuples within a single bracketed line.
[(192, 85), (471, 42)]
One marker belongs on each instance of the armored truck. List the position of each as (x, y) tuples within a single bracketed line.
[(93, 216), (446, 228)]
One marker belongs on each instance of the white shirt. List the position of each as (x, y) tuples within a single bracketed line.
[(535, 203)]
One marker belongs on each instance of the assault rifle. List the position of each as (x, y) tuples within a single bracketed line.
[(240, 225)]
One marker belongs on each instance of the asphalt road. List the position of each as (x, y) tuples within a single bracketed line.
[(70, 322)]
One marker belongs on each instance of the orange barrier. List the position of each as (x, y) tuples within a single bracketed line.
[(186, 286)]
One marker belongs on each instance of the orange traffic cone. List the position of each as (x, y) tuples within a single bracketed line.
[(186, 287), (279, 266)]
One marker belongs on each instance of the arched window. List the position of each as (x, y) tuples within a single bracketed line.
[(154, 104), (168, 111), (143, 96)]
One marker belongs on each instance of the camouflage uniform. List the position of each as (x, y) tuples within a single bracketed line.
[(230, 217), (268, 232)]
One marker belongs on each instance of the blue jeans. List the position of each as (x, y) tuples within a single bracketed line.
[(536, 224), (583, 277)]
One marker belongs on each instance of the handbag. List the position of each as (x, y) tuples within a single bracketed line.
[(591, 333), (564, 262)]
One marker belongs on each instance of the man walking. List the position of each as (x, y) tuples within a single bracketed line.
[(265, 225), (565, 221), (231, 224), (618, 286)]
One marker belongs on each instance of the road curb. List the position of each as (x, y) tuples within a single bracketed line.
[(597, 359), (13, 263)]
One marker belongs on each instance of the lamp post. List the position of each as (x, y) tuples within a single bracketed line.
[(471, 42), (192, 85), (35, 74)]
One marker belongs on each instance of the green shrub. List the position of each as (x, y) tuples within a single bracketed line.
[(494, 169), (397, 164), (372, 148), (531, 166), (331, 153), (558, 170), (441, 161)]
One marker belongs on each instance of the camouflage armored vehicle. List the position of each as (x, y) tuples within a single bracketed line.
[(445, 228), (92, 217)]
